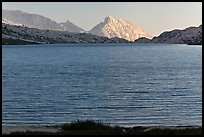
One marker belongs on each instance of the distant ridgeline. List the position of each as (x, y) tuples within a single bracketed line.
[(24, 28)]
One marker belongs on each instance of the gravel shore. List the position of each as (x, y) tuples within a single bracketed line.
[(10, 129)]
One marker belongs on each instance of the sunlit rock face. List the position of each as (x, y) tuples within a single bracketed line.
[(120, 28)]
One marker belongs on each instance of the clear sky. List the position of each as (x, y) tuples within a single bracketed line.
[(152, 17)]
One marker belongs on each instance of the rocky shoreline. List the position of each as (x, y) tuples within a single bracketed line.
[(6, 130)]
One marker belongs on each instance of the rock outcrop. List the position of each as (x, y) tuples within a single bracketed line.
[(190, 35)]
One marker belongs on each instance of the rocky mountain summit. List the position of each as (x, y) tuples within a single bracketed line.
[(120, 28)]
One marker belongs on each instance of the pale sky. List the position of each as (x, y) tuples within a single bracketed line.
[(153, 17)]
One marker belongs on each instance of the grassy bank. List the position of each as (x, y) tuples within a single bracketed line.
[(90, 127)]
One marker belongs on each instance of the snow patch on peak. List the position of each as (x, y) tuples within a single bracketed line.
[(11, 23)]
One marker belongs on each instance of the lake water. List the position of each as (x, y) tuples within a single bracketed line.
[(124, 84)]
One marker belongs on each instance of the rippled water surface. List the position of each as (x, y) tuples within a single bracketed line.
[(124, 84)]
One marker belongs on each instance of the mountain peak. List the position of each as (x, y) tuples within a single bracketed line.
[(120, 28), (17, 17)]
